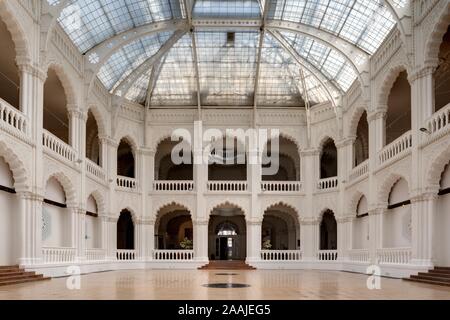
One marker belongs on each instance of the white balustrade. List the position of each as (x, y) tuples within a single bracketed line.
[(228, 186), (281, 255), (127, 183), (173, 186), (327, 255), (359, 255), (59, 147), (124, 255), (439, 121), (280, 186), (359, 171), (328, 184), (394, 255), (399, 146), (173, 255), (95, 254), (58, 255), (95, 170), (13, 118)]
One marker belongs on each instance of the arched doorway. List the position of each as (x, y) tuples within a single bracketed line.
[(361, 144), (442, 74), (174, 229), (397, 220), (284, 158), (328, 231), (125, 160), (8, 217), (125, 231), (56, 218), (227, 234), (9, 72), (93, 225), (443, 220), (166, 169), (398, 118), (360, 232), (93, 147), (280, 229), (56, 117), (328, 160)]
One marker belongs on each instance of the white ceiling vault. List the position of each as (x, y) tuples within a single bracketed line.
[(228, 53)]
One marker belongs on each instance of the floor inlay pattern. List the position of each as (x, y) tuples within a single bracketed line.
[(188, 285)]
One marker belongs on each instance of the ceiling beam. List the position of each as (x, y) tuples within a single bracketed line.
[(316, 73), (154, 76), (123, 88), (99, 55), (197, 73)]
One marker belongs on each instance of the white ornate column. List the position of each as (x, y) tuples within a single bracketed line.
[(77, 125), (201, 240), (111, 247), (310, 237), (30, 228), (423, 213), (375, 232), (254, 240), (79, 232), (344, 237)]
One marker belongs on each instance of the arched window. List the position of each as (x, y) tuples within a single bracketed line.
[(93, 148), (398, 118), (281, 162), (328, 231), (442, 74), (328, 160), (9, 72), (361, 146), (56, 117), (166, 169), (125, 160), (93, 225), (125, 231)]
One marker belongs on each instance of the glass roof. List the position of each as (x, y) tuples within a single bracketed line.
[(126, 60), (227, 67), (227, 9), (228, 56), (90, 22), (365, 23)]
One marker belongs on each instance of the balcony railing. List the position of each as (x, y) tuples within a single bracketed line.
[(12, 118), (127, 183), (95, 170), (328, 184), (95, 254), (359, 255), (126, 255), (327, 255), (59, 147), (173, 186), (359, 171), (281, 255), (396, 148), (279, 186), (173, 255), (394, 255), (58, 255), (439, 122), (227, 186)]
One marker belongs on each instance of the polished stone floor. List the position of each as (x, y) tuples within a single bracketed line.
[(189, 285)]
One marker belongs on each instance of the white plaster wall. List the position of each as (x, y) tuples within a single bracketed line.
[(443, 223), (361, 233)]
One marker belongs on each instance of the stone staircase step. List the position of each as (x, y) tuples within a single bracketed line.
[(446, 284), (19, 281), (10, 275), (432, 278)]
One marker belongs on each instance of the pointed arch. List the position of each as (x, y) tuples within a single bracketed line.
[(354, 202), (99, 119), (225, 203), (388, 82), (17, 32), (66, 183), (68, 85), (100, 200), (438, 164), (384, 189), (17, 167), (354, 121), (434, 39)]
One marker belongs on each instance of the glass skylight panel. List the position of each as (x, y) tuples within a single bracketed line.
[(279, 77), (139, 89), (330, 62), (365, 23), (227, 66), (227, 9), (176, 84), (90, 22), (126, 60)]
